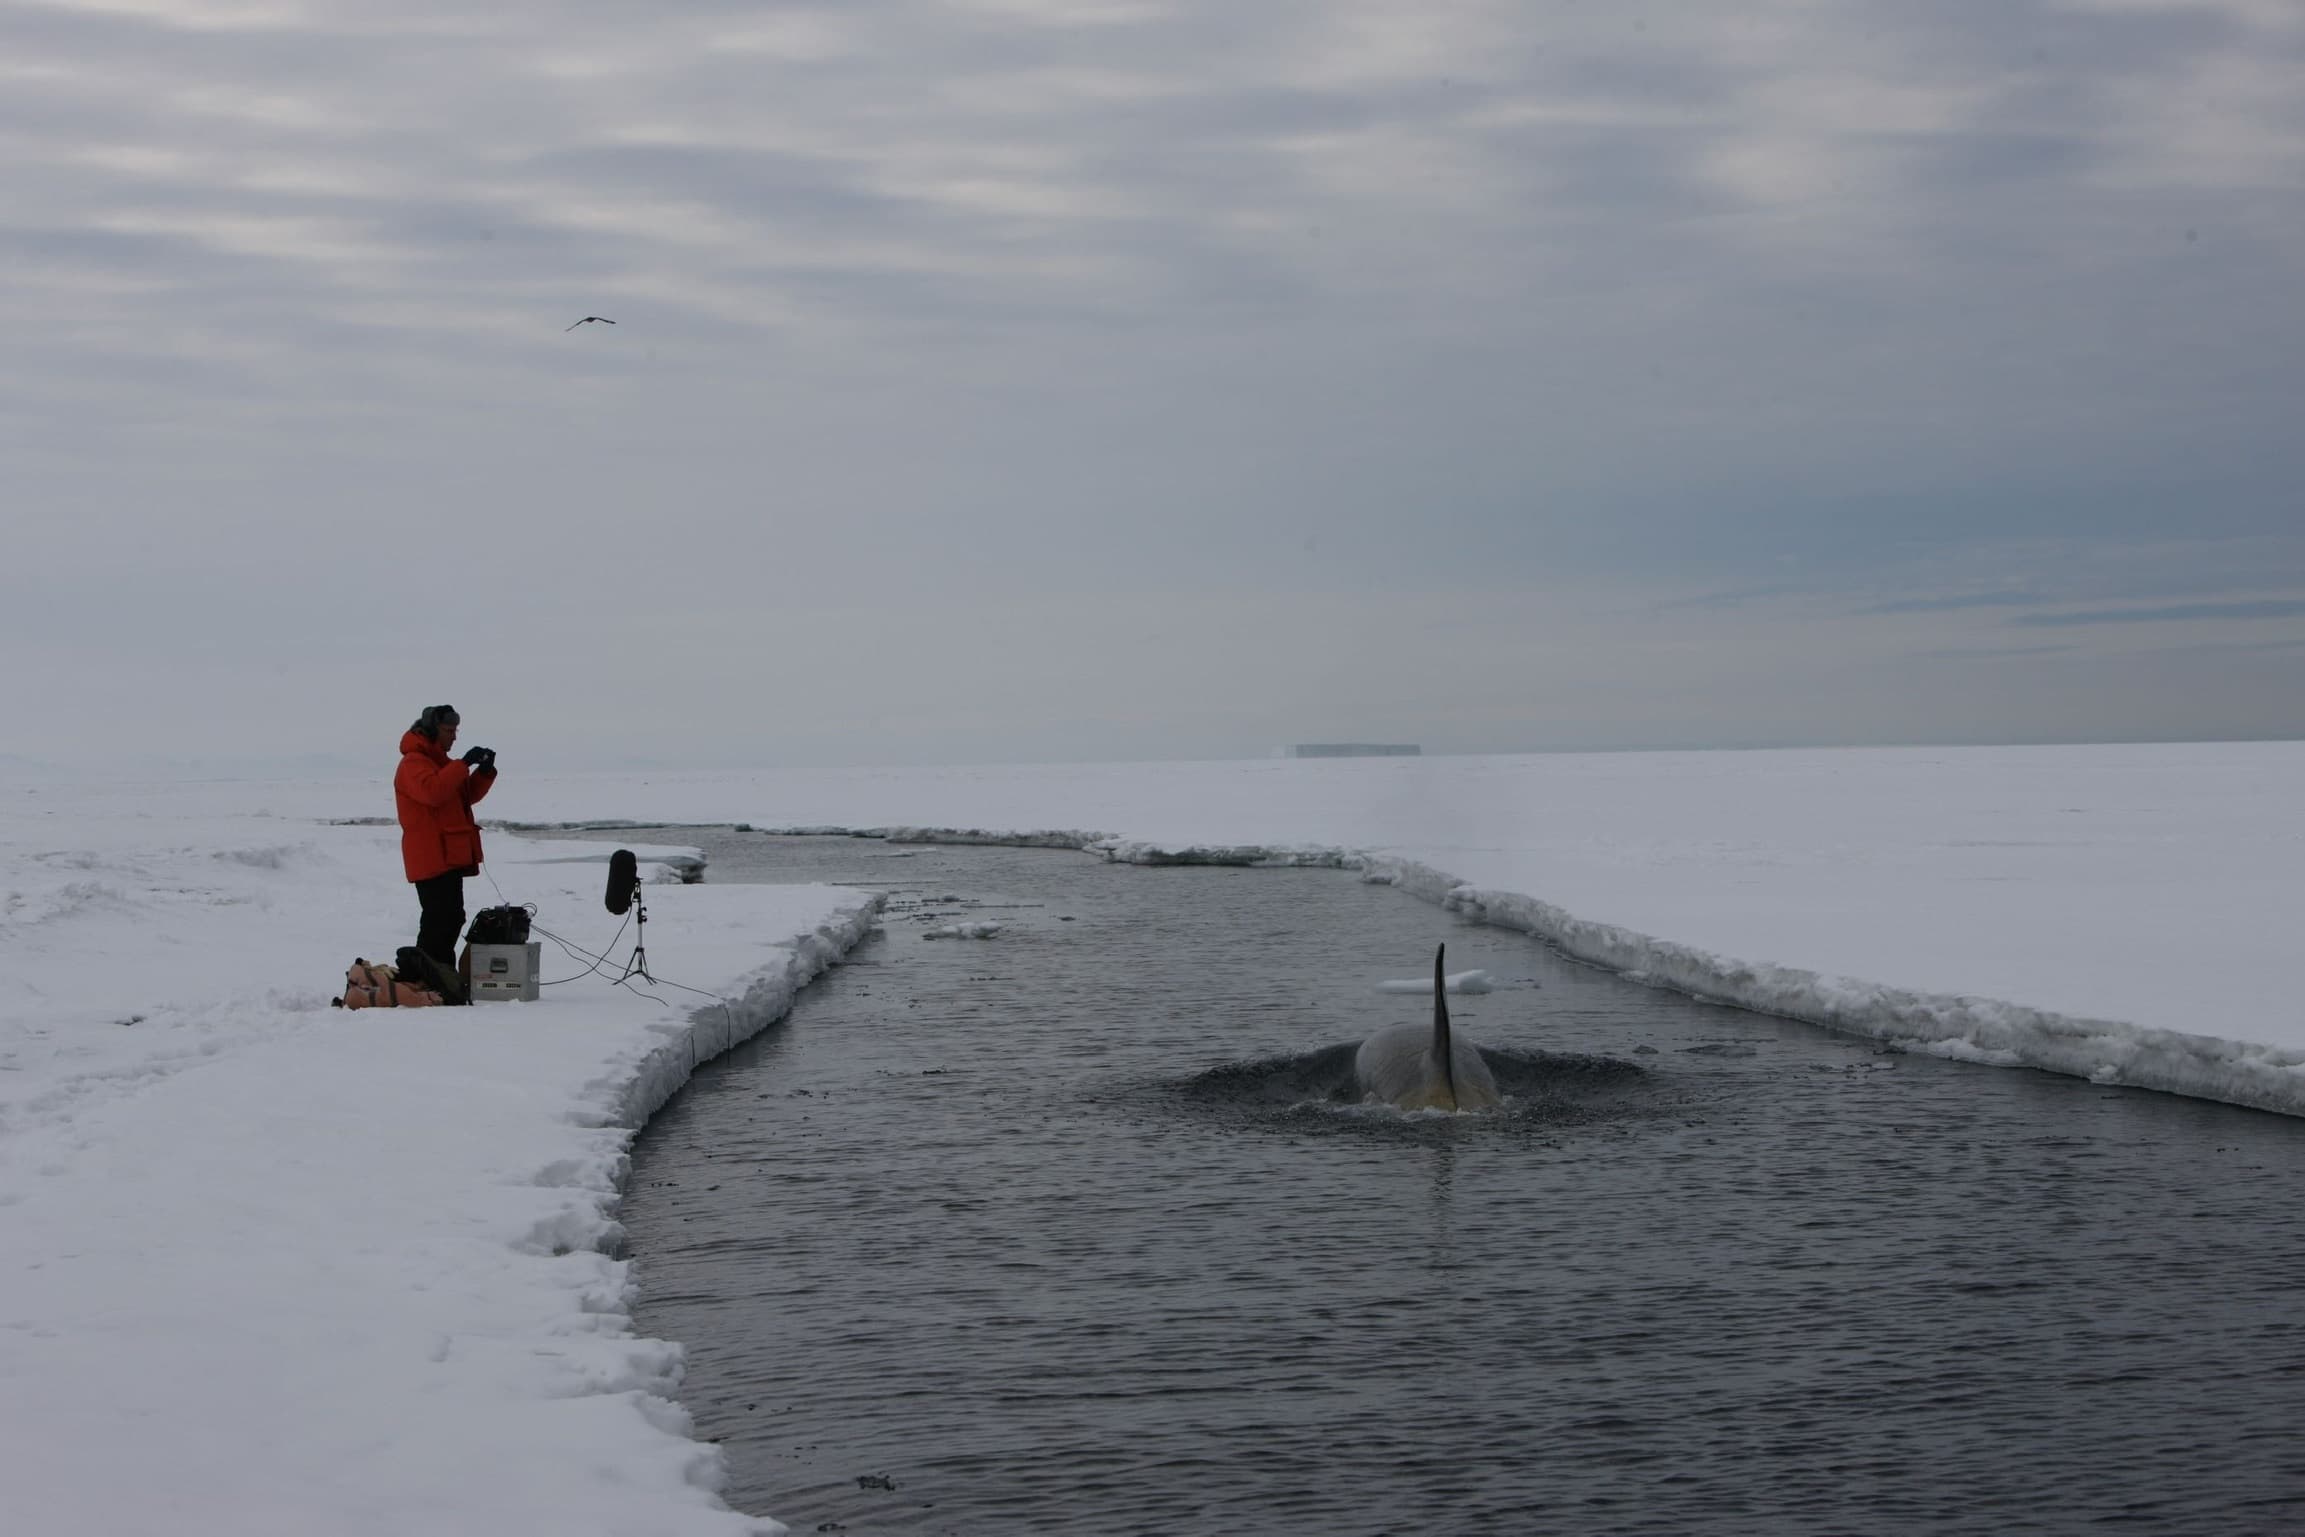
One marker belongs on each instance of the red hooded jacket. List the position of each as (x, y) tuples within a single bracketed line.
[(436, 795)]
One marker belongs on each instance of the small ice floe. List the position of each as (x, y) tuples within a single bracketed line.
[(1456, 982), (962, 931)]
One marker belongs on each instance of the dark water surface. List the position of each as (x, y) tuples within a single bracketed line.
[(1062, 1231)]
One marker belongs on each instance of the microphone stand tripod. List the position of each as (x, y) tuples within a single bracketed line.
[(638, 965)]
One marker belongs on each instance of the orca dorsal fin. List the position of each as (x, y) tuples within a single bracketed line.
[(1443, 1052)]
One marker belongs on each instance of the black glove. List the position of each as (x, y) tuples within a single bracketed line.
[(480, 757)]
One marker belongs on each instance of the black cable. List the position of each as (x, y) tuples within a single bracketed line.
[(580, 952), (599, 961), (727, 1013), (684, 987)]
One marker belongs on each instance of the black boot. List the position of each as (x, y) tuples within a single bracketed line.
[(427, 972)]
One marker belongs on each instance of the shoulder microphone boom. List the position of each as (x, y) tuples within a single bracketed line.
[(623, 880)]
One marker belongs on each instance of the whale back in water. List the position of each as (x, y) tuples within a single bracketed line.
[(1426, 1068)]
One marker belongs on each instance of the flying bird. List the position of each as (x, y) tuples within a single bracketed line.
[(587, 320)]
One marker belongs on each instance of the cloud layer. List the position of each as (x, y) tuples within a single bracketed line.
[(1046, 339)]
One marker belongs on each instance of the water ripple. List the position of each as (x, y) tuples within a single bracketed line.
[(1077, 1230)]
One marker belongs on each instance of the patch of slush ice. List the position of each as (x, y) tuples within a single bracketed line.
[(962, 931), (1475, 981)]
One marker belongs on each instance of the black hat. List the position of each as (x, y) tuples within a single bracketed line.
[(436, 716)]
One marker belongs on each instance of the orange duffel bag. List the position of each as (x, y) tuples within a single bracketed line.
[(368, 986)]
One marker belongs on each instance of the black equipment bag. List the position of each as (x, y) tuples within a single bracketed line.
[(498, 926)]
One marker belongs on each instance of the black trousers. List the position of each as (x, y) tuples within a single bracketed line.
[(442, 899)]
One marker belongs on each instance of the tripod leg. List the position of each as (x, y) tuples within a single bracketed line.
[(638, 965)]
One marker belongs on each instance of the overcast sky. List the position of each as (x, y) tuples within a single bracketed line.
[(1061, 379)]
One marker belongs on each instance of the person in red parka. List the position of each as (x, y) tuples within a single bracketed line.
[(439, 841)]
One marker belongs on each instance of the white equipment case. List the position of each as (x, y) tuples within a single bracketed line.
[(505, 973)]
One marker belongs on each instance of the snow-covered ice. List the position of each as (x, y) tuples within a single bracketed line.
[(274, 1267), (279, 1268)]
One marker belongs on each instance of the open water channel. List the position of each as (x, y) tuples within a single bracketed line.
[(1068, 1230)]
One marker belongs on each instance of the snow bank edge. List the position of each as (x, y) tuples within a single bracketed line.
[(584, 1233), (629, 1097)]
